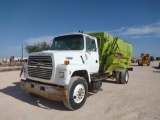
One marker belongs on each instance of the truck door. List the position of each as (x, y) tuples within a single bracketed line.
[(92, 56)]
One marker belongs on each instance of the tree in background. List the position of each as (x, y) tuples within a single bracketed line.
[(37, 47)]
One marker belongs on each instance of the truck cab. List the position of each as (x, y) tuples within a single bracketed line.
[(82, 44)]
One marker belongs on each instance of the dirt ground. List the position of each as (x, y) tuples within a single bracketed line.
[(137, 100), (9, 68)]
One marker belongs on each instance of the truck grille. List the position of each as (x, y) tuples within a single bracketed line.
[(40, 67)]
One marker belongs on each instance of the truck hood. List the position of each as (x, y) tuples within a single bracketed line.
[(74, 57)]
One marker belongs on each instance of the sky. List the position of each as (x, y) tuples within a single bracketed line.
[(25, 22)]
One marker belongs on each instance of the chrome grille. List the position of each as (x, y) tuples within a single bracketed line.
[(40, 67)]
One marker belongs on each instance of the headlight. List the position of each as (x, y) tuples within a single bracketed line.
[(61, 74)]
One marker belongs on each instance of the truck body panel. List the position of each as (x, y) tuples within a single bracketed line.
[(108, 46)]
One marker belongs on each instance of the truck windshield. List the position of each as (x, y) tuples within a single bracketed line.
[(68, 42)]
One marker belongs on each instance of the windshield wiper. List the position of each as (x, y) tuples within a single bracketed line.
[(73, 47)]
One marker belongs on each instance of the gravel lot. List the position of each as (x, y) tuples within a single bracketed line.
[(139, 99)]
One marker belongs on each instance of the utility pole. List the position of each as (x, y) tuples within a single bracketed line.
[(22, 54)]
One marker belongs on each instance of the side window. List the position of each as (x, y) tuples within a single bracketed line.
[(90, 44)]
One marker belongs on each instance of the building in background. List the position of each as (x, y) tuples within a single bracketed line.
[(4, 60), (17, 58)]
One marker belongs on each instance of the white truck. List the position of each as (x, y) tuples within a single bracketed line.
[(71, 68)]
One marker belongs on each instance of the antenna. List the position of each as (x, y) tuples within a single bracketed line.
[(22, 53)]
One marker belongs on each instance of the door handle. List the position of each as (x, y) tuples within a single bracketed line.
[(96, 61)]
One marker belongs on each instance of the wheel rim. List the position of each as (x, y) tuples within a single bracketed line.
[(126, 77), (79, 93)]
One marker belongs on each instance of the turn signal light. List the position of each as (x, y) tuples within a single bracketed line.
[(66, 62)]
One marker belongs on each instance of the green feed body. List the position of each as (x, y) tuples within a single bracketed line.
[(108, 45)]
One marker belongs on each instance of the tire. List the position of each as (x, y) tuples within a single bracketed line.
[(124, 76), (78, 92), (118, 77), (140, 62)]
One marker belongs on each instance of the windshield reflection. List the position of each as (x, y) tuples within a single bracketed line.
[(68, 42)]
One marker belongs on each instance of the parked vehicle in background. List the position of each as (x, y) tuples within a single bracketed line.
[(133, 60), (151, 58), (145, 59)]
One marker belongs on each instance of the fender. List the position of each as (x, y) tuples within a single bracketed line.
[(68, 71)]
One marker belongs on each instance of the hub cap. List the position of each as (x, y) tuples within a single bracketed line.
[(79, 93)]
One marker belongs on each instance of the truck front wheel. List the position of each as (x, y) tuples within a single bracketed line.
[(78, 90)]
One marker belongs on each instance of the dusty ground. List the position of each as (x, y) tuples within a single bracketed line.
[(139, 99), (9, 68)]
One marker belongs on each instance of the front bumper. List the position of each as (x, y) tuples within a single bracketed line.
[(47, 91)]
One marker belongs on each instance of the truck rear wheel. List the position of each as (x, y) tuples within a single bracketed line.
[(78, 90), (118, 77), (122, 76)]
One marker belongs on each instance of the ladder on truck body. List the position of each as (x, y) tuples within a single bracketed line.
[(114, 45)]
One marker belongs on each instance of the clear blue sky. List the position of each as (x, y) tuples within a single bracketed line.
[(25, 22)]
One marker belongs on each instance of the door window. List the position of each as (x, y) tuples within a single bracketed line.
[(90, 44)]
